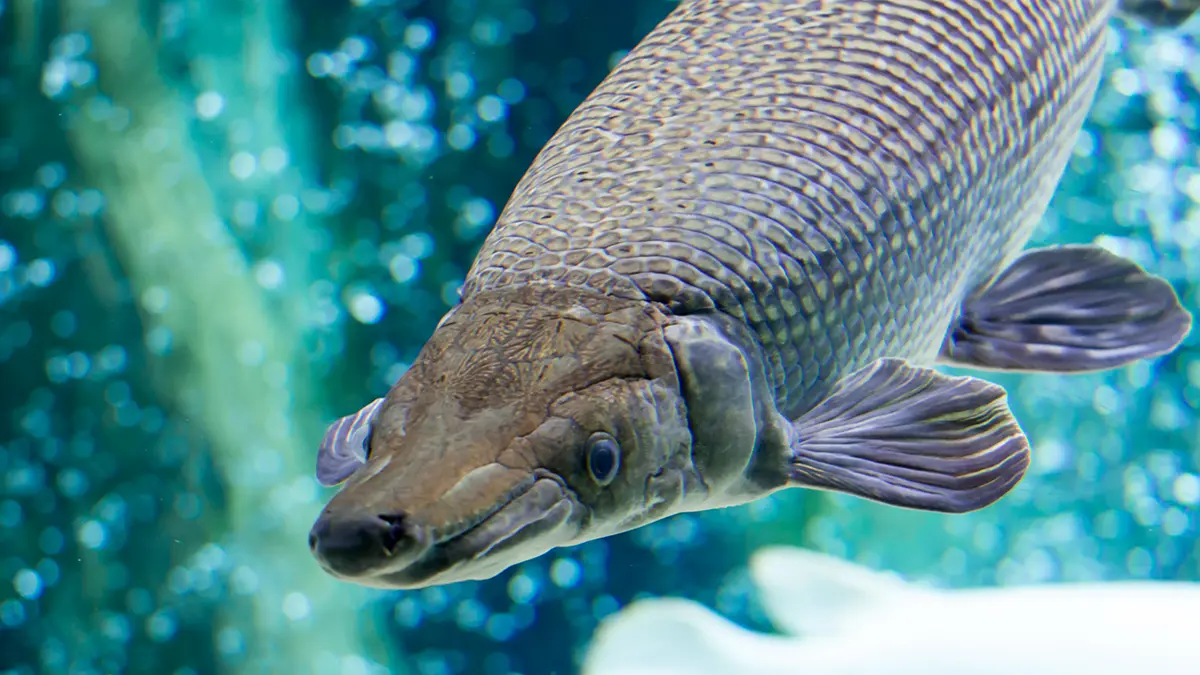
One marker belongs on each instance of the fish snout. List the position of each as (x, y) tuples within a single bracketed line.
[(351, 545)]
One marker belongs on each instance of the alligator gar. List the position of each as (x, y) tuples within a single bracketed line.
[(734, 270)]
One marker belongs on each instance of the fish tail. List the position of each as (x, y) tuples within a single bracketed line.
[(1159, 13)]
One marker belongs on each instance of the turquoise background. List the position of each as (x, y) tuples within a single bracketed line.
[(223, 224)]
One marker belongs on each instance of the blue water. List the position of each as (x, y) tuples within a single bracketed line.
[(223, 224)]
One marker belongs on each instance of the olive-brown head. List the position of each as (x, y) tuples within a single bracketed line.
[(534, 417)]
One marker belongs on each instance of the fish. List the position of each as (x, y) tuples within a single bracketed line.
[(737, 268), (836, 617)]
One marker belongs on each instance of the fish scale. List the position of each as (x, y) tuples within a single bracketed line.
[(835, 174), (730, 272)]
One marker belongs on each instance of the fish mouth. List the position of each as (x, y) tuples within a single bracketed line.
[(541, 516)]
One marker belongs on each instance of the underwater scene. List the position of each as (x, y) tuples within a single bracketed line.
[(612, 337)]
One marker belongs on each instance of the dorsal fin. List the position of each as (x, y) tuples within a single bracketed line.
[(807, 593)]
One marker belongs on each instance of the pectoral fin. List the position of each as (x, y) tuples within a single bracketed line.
[(911, 437), (344, 448), (1067, 309)]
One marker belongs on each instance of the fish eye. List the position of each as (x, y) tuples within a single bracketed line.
[(603, 458)]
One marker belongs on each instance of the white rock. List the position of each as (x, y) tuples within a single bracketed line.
[(839, 618)]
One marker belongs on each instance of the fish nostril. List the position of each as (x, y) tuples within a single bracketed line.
[(349, 545), (319, 532), (395, 532)]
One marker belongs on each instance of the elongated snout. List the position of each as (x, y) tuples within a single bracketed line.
[(352, 544)]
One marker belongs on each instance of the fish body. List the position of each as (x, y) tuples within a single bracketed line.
[(729, 273), (839, 618), (838, 176)]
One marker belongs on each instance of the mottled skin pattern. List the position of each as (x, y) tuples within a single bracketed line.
[(500, 399), (763, 198), (515, 362), (836, 173)]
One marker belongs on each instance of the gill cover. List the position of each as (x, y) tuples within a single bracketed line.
[(344, 447), (715, 376)]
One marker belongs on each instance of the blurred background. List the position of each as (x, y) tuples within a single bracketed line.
[(224, 223)]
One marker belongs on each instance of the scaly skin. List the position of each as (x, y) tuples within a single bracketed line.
[(509, 381), (838, 174), (762, 198)]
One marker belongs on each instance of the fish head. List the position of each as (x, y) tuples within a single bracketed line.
[(531, 419)]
